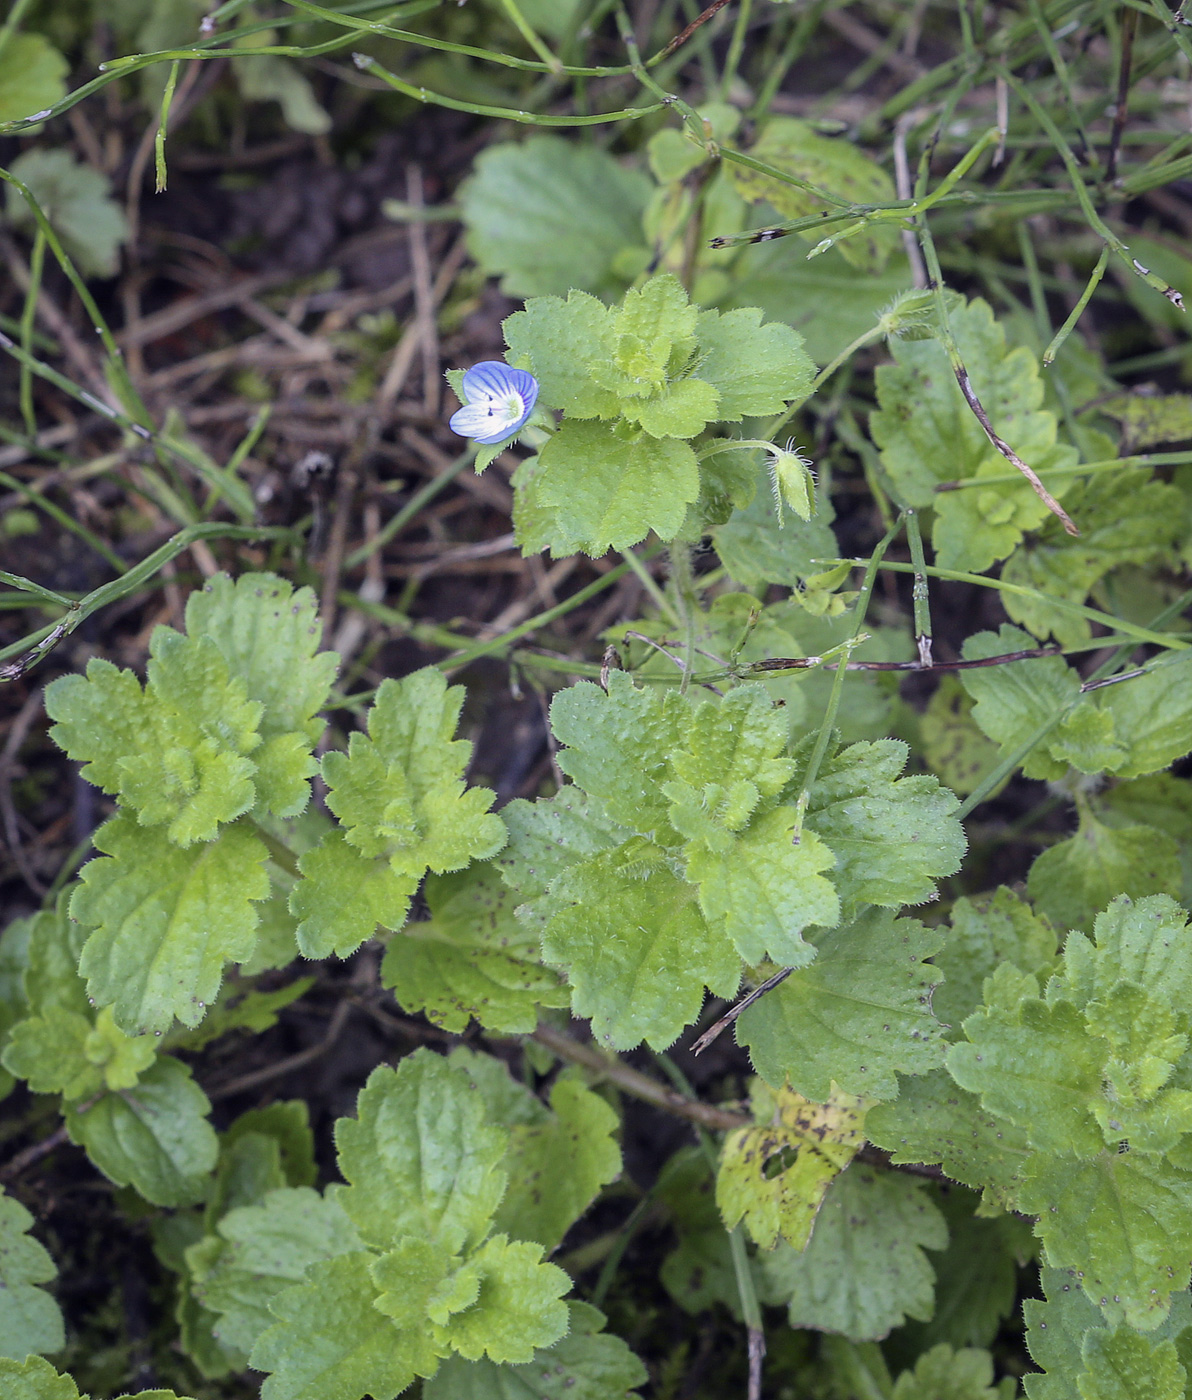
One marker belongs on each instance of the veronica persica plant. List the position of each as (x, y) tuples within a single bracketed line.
[(497, 400)]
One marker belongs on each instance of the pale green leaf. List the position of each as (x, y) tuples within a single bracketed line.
[(166, 920), (400, 791), (756, 549), (682, 409), (953, 747), (618, 743), (420, 1157), (929, 435), (332, 1344), (775, 1175), (757, 369), (583, 1365), (472, 958), (933, 1120), (261, 1249), (636, 949), (834, 164), (270, 78), (343, 897), (856, 1015), (987, 931), (75, 198), (30, 1321), (155, 1137), (1050, 1089), (1123, 1220), (32, 78), (548, 214), (1073, 880), (1121, 1365), (35, 1379), (268, 634), (764, 890), (1161, 800), (608, 487), (945, 1374), (562, 343), (1152, 716), (557, 1167), (1015, 699), (892, 837), (101, 719), (864, 1268), (1125, 517), (1148, 418), (517, 1310)]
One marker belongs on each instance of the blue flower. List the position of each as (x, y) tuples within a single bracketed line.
[(497, 402)]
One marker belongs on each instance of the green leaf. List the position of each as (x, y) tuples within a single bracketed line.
[(953, 747), (516, 1310), (823, 299), (1152, 714), (556, 1167), (583, 1365), (860, 1012), (565, 344), (548, 214), (755, 369), (975, 1277), (864, 1269), (332, 1344), (472, 958), (260, 1250), (833, 164), (929, 435), (1074, 879), (933, 1120), (32, 78), (30, 1320), (1037, 1066), (344, 896), (1015, 699), (618, 743), (176, 753), (892, 837), (1122, 1220), (944, 1374), (765, 890), (1126, 517), (64, 1053), (635, 947), (608, 487), (166, 921), (988, 931), (1148, 419), (681, 409), (1162, 801), (155, 1137), (75, 198), (35, 1379), (1066, 1329), (756, 549), (400, 792), (420, 1156), (269, 636), (700, 1271), (1121, 1365), (775, 1175)]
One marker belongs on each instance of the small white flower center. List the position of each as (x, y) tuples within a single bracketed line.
[(509, 409)]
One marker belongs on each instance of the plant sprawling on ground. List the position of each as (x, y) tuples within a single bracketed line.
[(784, 986)]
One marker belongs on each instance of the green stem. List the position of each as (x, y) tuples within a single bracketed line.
[(420, 499), (14, 17), (28, 313), (736, 48), (1085, 297), (531, 37), (684, 590), (919, 596)]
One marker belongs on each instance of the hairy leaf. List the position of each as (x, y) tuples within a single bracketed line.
[(860, 1012), (166, 920), (30, 1320), (864, 1269)]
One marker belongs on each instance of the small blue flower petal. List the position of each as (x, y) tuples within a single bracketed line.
[(499, 399), (494, 379)]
